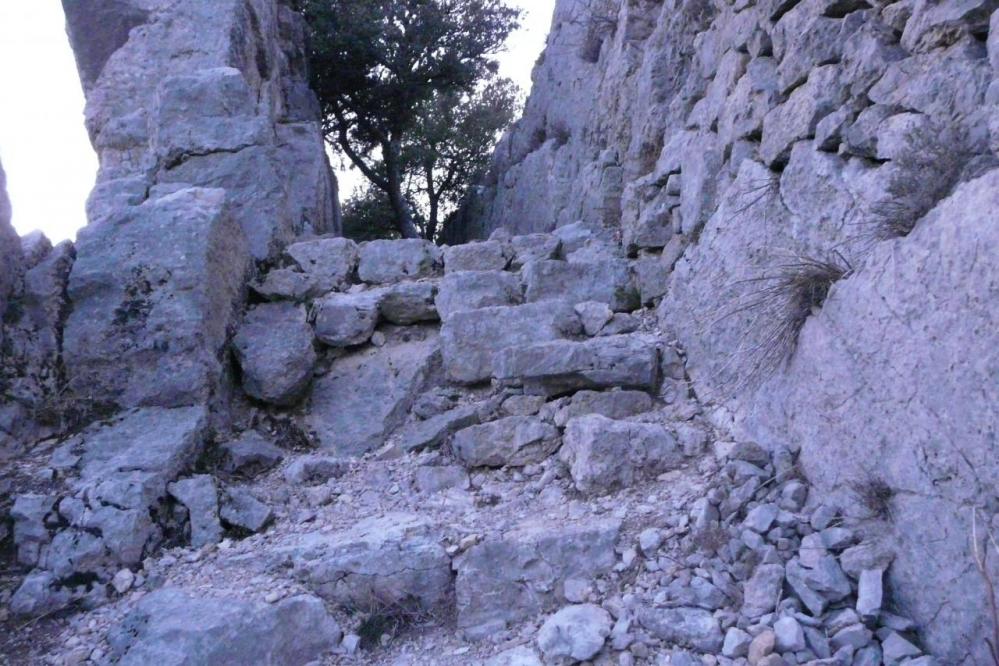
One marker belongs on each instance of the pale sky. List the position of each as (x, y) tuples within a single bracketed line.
[(44, 147)]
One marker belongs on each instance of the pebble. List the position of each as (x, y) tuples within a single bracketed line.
[(122, 581)]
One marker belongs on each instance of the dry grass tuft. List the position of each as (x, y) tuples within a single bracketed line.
[(710, 540), (384, 616), (876, 496), (927, 172), (782, 301)]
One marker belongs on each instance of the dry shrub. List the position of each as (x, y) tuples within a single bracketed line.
[(781, 301), (876, 496), (927, 172), (382, 615)]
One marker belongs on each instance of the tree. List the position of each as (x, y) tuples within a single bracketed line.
[(377, 65), (368, 216), (452, 144)]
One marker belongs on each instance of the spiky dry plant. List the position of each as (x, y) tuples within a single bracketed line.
[(876, 496), (780, 301), (927, 171)]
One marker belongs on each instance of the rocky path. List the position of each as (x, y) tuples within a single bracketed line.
[(487, 454)]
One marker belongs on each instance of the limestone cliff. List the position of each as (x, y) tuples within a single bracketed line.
[(210, 156), (10, 248), (736, 146)]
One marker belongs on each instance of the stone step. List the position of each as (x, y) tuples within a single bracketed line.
[(562, 366), (470, 338)]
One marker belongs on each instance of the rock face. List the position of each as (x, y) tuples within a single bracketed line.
[(10, 248), (732, 144), (210, 154), (150, 319)]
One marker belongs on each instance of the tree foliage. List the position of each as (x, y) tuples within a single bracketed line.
[(383, 69)]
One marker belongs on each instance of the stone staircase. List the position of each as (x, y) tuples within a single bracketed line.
[(483, 454)]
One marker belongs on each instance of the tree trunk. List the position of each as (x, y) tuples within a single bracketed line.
[(434, 198), (403, 219)]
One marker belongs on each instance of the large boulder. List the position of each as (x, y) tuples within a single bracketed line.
[(471, 338), (605, 455), (561, 366), (172, 627), (367, 394), (388, 562), (154, 293), (276, 352), (500, 581)]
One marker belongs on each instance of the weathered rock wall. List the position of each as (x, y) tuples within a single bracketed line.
[(810, 183), (210, 156), (10, 249)]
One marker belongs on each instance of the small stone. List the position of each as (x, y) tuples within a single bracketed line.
[(870, 593), (272, 597), (761, 646), (649, 541), (577, 632), (122, 581), (762, 590), (594, 316), (351, 643), (761, 518), (896, 648), (736, 643), (789, 634), (822, 517), (576, 590), (855, 636), (751, 452), (793, 496)]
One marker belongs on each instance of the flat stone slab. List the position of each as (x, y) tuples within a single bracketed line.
[(518, 574), (389, 561), (388, 261), (561, 366), (474, 289), (512, 441), (172, 627), (366, 395)]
